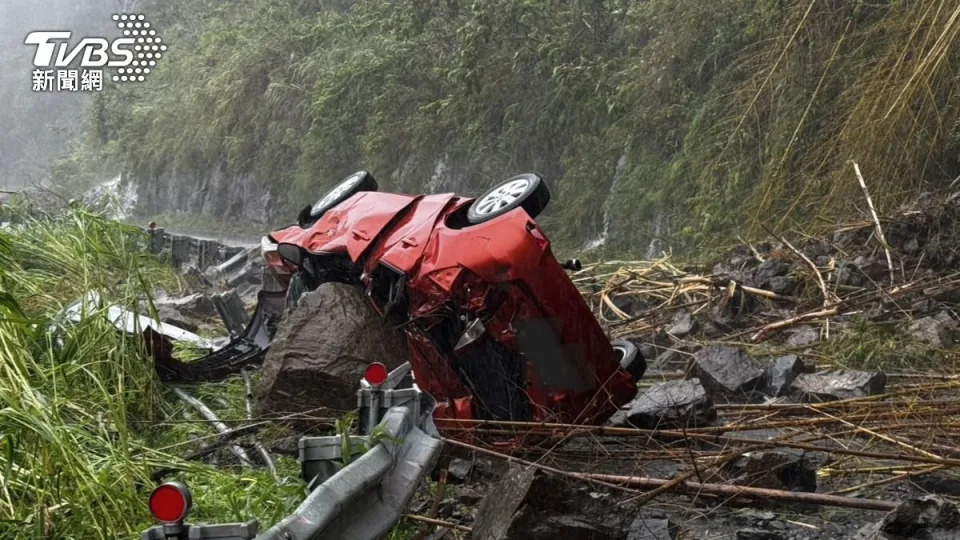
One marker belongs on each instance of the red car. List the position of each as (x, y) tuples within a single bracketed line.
[(495, 328)]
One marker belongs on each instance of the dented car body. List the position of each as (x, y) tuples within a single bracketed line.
[(494, 326)]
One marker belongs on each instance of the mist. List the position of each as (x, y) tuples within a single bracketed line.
[(37, 127)]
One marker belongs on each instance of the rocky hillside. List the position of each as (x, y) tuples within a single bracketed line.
[(652, 120)]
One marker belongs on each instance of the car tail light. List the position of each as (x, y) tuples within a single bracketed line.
[(375, 374), (170, 502)]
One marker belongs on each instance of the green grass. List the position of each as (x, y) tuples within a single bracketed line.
[(84, 420), (885, 346)]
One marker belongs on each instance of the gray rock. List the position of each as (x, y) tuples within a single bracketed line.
[(321, 349), (768, 270), (783, 285), (849, 274), (946, 318), (727, 371), (932, 331), (647, 350), (196, 305), (838, 384), (459, 469), (929, 517), (672, 404), (803, 336), (683, 325), (919, 513), (775, 469), (780, 373), (669, 358), (652, 529), (525, 505)]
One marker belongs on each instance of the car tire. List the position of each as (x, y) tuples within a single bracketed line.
[(527, 191), (348, 187), (630, 358)]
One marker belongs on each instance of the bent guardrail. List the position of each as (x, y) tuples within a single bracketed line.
[(362, 500)]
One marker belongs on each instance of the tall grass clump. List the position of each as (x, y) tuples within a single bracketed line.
[(81, 409), (69, 464)]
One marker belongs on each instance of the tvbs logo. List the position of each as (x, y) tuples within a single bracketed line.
[(62, 67)]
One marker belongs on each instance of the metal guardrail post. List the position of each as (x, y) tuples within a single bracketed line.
[(365, 499)]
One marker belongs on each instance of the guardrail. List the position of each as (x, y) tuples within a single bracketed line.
[(185, 250), (364, 499)]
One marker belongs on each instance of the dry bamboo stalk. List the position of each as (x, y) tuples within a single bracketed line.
[(827, 297), (876, 221), (695, 487), (438, 522), (890, 480), (451, 424)]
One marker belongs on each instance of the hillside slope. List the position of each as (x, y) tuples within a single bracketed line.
[(653, 120)]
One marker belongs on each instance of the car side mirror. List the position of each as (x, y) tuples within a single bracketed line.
[(573, 265), (291, 253), (304, 218)]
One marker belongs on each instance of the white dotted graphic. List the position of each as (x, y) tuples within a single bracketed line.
[(147, 46)]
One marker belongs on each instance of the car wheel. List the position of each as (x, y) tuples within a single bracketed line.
[(348, 187), (527, 191), (630, 358)]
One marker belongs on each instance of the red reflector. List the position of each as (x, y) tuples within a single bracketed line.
[(170, 502), (375, 374)]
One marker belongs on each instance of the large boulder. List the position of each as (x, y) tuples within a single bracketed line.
[(321, 349)]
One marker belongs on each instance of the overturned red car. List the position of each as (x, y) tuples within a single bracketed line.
[(495, 328)]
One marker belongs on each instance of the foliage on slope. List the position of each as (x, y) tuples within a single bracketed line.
[(750, 105)]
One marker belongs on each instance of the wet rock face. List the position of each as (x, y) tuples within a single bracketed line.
[(838, 384), (727, 371), (321, 350), (673, 404)]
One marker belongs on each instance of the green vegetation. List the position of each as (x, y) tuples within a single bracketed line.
[(756, 106), (84, 420), (884, 346)]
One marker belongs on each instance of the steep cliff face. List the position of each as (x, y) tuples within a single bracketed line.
[(217, 192)]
